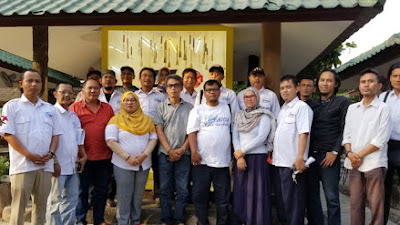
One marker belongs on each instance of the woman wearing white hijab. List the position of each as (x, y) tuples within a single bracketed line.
[(252, 139)]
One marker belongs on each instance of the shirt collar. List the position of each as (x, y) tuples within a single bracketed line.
[(170, 103), (141, 91), (25, 99), (374, 103), (293, 102), (186, 92), (60, 108)]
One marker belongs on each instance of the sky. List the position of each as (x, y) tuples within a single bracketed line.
[(378, 30)]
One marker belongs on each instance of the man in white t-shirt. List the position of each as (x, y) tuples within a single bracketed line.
[(210, 145), (290, 151)]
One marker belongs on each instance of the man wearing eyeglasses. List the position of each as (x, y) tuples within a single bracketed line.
[(210, 144), (64, 192), (173, 153), (268, 98)]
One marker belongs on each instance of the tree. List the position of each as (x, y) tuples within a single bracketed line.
[(331, 60)]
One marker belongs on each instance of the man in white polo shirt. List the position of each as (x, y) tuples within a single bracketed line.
[(210, 144), (64, 193), (31, 130), (365, 136), (227, 96), (290, 152), (268, 98)]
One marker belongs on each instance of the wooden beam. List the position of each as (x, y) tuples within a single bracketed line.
[(179, 18), (271, 54), (40, 55)]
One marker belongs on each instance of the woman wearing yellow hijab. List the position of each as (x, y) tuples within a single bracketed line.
[(131, 135)]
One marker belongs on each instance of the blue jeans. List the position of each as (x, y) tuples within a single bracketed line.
[(63, 200), (330, 183), (173, 173), (202, 177), (96, 173), (130, 190)]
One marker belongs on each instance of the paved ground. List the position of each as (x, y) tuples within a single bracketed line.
[(151, 214)]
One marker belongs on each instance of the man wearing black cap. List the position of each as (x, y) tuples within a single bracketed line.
[(268, 98), (227, 96)]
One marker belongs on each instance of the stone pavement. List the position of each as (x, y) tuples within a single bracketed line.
[(151, 213)]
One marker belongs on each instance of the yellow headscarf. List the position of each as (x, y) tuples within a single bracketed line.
[(136, 123)]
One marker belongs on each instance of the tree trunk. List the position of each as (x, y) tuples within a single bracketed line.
[(40, 56)]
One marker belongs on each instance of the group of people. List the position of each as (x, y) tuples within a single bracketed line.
[(72, 151)]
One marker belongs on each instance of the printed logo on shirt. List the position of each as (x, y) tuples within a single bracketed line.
[(265, 100), (48, 114), (224, 99), (158, 99), (216, 120)]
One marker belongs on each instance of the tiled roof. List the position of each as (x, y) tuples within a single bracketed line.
[(39, 7), (26, 64), (392, 41)]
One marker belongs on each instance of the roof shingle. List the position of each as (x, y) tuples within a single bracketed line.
[(39, 7)]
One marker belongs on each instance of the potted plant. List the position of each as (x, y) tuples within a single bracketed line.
[(4, 167)]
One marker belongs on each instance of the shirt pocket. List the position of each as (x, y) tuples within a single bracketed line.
[(290, 118), (47, 125), (22, 125), (265, 103)]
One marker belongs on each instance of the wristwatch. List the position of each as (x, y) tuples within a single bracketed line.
[(52, 154), (347, 153), (335, 152)]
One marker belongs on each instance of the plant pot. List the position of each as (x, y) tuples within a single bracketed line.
[(5, 179)]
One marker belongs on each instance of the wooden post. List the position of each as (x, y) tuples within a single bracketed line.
[(271, 54), (40, 56)]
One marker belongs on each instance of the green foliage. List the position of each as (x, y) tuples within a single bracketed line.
[(4, 165), (331, 60), (239, 85)]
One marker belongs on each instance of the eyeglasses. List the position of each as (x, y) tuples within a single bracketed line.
[(130, 101), (177, 85), (211, 90), (66, 92), (249, 96)]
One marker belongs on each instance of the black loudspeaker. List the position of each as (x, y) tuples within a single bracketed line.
[(254, 61)]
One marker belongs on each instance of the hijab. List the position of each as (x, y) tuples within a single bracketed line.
[(247, 119), (137, 122)]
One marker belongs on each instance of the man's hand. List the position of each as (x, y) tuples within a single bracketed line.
[(140, 158), (82, 161), (35, 158), (355, 160), (241, 164), (196, 158), (300, 165), (57, 170), (238, 154), (46, 157), (328, 160), (173, 155)]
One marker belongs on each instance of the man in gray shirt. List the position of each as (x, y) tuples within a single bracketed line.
[(173, 155)]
